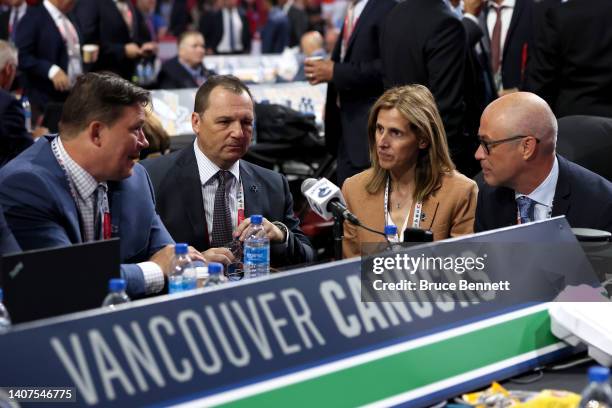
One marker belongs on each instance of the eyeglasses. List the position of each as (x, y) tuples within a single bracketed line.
[(486, 146)]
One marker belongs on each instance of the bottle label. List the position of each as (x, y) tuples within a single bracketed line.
[(256, 255)]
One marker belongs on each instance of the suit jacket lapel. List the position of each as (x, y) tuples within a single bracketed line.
[(114, 202), (362, 17), (516, 15), (486, 39), (187, 178), (71, 212), (561, 201), (428, 213), (253, 191)]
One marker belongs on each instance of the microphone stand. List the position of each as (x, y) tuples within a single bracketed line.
[(338, 231)]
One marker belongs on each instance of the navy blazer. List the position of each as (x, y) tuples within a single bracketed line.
[(357, 82), (41, 212), (517, 46), (14, 137), (173, 75), (41, 45), (584, 197), (4, 24), (102, 24), (180, 204), (7, 240)]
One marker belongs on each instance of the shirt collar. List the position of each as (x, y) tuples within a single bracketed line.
[(54, 11), (83, 182), (20, 10), (198, 71), (208, 169), (544, 194), (505, 3)]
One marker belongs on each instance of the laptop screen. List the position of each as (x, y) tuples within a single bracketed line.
[(53, 281)]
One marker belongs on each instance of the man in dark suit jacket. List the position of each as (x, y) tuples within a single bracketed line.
[(7, 240), (215, 27), (85, 184), (48, 65), (525, 180), (572, 58), (517, 46), (10, 19), (14, 137), (121, 44), (354, 77), (423, 42), (187, 183), (186, 70)]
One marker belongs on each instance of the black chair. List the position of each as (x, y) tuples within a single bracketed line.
[(587, 141)]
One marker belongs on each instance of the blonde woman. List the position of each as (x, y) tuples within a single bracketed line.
[(412, 181)]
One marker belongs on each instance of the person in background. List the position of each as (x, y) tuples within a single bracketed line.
[(412, 182), (311, 45), (275, 33), (525, 179), (86, 184), (10, 19), (120, 31), (14, 137), (49, 44), (227, 29), (154, 22), (186, 70), (156, 135), (205, 193)]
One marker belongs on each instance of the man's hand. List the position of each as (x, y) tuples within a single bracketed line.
[(319, 71), (163, 257), (273, 233), (473, 7), (132, 50), (221, 255), (148, 49), (39, 131), (60, 81)]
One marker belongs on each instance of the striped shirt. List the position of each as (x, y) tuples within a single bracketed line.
[(84, 187), (209, 182)]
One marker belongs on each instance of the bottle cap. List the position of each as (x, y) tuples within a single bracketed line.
[(215, 268), (390, 230), (256, 219), (116, 285), (599, 374), (180, 249)]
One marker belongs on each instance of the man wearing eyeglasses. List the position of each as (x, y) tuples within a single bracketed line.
[(525, 179)]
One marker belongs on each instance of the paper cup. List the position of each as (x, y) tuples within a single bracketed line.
[(90, 53)]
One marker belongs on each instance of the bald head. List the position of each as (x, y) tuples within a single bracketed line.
[(518, 134), (524, 113)]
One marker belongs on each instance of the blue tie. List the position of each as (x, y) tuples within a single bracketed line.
[(526, 207)]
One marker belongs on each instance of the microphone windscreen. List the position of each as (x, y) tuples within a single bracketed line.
[(306, 184)]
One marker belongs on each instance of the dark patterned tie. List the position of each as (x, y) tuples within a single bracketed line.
[(526, 207), (222, 219), (496, 46)]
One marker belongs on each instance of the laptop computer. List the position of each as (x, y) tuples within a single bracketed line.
[(50, 282)]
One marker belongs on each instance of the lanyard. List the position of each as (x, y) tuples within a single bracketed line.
[(106, 218), (240, 202), (418, 209)]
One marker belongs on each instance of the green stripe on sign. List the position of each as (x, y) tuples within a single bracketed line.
[(409, 370)]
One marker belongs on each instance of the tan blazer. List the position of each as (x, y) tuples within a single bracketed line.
[(447, 212)]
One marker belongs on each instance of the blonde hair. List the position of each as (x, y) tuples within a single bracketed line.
[(417, 105)]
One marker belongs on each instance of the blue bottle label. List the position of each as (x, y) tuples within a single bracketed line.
[(256, 255)]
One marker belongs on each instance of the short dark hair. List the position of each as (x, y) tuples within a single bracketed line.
[(188, 33), (228, 82), (99, 96)]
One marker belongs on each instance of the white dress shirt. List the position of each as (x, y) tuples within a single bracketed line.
[(544, 194), (224, 44), (209, 182), (66, 29)]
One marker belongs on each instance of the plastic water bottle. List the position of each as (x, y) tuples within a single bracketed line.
[(5, 319), (116, 293), (215, 275), (183, 275), (27, 112), (256, 250), (598, 393)]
